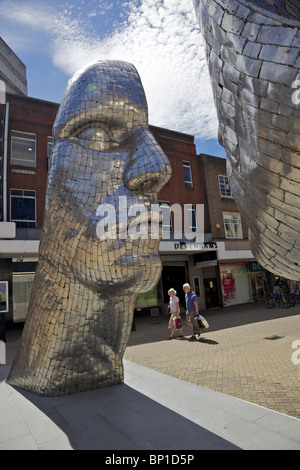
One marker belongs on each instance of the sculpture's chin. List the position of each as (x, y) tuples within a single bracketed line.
[(139, 274), (129, 274)]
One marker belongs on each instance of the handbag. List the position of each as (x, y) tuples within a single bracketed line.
[(177, 323)]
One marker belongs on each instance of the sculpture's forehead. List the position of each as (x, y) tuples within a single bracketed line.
[(287, 8), (109, 77), (106, 90)]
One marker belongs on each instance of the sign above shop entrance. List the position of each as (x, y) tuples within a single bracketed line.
[(254, 267), (187, 246)]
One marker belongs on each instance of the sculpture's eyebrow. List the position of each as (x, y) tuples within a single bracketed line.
[(119, 115)]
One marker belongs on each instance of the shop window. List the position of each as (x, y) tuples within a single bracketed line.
[(233, 225), (4, 306), (22, 285), (23, 208), (187, 170), (224, 185), (23, 149), (236, 283)]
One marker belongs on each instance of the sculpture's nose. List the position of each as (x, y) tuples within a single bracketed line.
[(148, 169)]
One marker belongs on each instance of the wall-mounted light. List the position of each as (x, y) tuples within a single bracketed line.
[(218, 226)]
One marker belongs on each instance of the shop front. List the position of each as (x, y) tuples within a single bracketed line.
[(242, 282), (236, 283), (194, 263)]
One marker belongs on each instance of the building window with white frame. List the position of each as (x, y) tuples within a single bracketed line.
[(233, 225), (187, 170), (192, 217), (166, 219), (23, 149), (49, 150), (224, 185), (23, 208)]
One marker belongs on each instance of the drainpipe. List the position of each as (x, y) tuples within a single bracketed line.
[(5, 162)]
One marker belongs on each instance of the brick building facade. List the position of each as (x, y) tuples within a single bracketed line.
[(29, 142), (35, 118), (26, 130), (184, 189), (240, 277)]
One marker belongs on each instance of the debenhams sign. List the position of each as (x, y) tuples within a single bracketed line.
[(187, 246)]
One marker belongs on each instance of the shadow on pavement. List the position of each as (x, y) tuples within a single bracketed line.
[(115, 418)]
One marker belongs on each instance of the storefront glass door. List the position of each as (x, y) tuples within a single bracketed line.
[(258, 285)]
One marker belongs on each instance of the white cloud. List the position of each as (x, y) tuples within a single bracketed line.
[(32, 14), (161, 38)]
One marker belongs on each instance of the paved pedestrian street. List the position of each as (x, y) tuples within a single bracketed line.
[(170, 397), (246, 353)]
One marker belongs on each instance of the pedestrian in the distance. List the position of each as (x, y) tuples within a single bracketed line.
[(192, 311), (175, 319)]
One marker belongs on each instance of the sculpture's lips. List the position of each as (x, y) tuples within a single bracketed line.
[(146, 225), (140, 259)]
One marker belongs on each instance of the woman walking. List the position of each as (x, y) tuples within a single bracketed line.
[(175, 320)]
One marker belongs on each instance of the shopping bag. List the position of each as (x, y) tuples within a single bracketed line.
[(202, 322), (177, 323)]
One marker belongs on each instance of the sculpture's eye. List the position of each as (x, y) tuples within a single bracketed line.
[(96, 138)]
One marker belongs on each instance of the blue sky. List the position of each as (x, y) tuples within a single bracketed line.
[(55, 38)]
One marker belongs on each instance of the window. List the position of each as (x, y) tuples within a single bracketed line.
[(187, 174), (166, 219), (49, 150), (23, 207), (4, 296), (225, 189), (233, 225), (23, 146), (192, 218)]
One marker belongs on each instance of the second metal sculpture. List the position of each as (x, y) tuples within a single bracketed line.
[(252, 49)]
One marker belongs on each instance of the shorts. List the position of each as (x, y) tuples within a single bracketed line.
[(190, 317)]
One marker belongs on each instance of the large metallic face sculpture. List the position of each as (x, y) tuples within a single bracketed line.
[(81, 308), (253, 56)]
